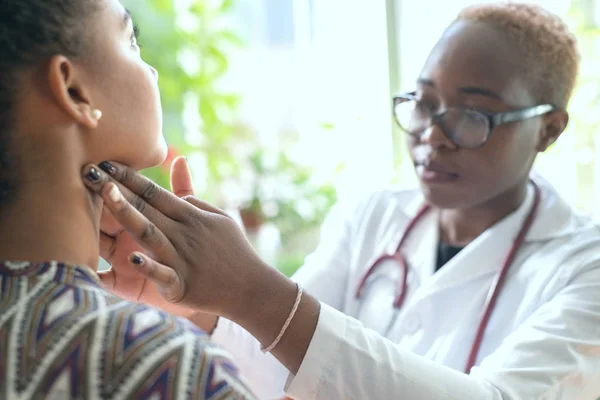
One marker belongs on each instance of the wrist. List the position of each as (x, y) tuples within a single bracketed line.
[(281, 319), (266, 296), (262, 306)]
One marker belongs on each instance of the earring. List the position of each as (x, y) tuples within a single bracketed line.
[(97, 114)]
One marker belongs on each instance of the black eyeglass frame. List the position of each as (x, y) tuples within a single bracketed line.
[(494, 119)]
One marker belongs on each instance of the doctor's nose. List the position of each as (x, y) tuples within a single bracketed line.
[(435, 137)]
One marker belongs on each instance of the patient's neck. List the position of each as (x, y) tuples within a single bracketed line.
[(53, 217)]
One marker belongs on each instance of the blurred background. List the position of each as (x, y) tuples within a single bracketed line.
[(283, 106)]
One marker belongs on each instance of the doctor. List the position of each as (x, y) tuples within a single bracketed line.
[(482, 285)]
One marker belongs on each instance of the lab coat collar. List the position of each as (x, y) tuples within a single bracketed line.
[(554, 219), (485, 255), (482, 257)]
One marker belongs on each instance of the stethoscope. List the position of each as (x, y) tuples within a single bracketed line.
[(496, 285)]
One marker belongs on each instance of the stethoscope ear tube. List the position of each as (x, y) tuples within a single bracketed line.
[(496, 287), (494, 290)]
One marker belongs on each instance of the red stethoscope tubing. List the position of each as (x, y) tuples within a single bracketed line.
[(496, 285)]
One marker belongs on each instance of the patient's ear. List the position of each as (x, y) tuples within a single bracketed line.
[(70, 92)]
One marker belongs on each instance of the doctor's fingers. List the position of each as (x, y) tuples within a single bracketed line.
[(175, 206), (109, 225), (168, 282), (181, 178), (146, 225), (149, 192), (202, 205)]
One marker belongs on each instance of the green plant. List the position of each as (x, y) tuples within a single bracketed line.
[(191, 59), (284, 193), (288, 264)]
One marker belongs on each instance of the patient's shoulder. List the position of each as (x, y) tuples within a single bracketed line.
[(63, 336), (154, 351)]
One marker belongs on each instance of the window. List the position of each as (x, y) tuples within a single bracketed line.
[(572, 166)]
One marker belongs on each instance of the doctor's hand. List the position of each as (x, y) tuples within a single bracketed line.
[(195, 256), (117, 245), (198, 258)]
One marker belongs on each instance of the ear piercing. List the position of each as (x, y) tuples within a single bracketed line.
[(97, 114)]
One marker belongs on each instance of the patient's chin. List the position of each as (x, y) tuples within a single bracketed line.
[(152, 158)]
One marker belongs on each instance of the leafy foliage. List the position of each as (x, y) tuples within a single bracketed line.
[(191, 58), (284, 193), (196, 35)]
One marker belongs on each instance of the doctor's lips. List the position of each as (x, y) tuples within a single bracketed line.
[(432, 172)]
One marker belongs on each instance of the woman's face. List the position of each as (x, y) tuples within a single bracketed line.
[(125, 89), (477, 67)]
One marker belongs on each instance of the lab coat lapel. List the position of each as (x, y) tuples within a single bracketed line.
[(420, 248), (484, 256)]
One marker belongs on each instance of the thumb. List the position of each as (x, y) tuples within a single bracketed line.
[(181, 178)]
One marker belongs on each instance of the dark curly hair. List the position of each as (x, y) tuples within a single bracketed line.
[(32, 31)]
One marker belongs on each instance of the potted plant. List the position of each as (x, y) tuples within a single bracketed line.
[(252, 215), (282, 192)]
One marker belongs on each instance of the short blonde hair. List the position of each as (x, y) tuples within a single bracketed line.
[(550, 49)]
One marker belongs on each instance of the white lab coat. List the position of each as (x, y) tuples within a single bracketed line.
[(542, 341)]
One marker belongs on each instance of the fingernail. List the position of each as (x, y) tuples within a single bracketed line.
[(137, 260), (93, 175), (114, 194), (107, 167)]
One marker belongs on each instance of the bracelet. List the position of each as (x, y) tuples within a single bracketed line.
[(287, 322)]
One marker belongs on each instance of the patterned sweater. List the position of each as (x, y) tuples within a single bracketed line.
[(63, 337)]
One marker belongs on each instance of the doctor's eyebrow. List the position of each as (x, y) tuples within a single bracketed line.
[(479, 91), (469, 90)]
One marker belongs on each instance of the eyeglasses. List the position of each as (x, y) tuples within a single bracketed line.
[(466, 128)]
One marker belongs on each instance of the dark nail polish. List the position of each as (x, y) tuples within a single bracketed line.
[(107, 167), (93, 175), (137, 260)]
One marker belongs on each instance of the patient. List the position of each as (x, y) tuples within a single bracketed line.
[(74, 90)]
